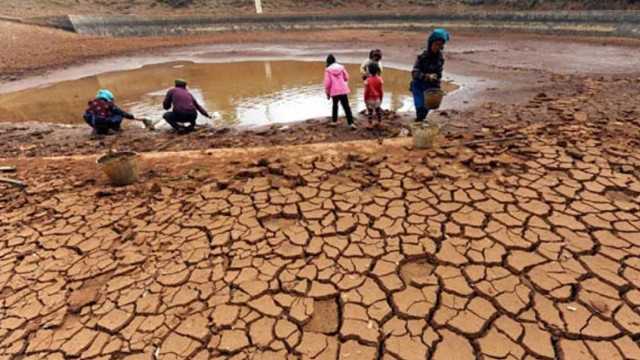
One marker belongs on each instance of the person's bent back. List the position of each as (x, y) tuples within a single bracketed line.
[(103, 115), (185, 107)]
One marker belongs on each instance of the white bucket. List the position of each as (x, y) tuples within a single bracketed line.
[(424, 134)]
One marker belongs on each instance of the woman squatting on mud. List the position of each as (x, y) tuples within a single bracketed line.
[(103, 115)]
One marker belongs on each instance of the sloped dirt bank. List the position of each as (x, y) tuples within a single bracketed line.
[(592, 23)]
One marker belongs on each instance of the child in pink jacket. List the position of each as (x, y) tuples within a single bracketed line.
[(337, 88)]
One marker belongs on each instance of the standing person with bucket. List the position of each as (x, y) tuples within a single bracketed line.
[(337, 88), (427, 71), (185, 108), (103, 115)]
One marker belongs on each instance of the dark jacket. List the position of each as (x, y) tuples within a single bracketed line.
[(428, 63), (182, 101)]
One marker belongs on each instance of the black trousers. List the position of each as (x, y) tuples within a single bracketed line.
[(176, 119), (344, 101)]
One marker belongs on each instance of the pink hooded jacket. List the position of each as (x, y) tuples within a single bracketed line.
[(335, 80)]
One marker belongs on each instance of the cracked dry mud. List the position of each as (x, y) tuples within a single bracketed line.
[(520, 250)]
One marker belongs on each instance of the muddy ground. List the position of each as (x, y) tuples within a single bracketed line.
[(505, 69), (518, 249)]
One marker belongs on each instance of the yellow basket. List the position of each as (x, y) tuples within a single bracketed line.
[(433, 98), (424, 134), (120, 167)]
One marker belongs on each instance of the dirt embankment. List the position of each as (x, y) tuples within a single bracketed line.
[(38, 8)]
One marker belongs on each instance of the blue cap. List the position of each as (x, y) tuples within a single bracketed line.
[(104, 94), (438, 34)]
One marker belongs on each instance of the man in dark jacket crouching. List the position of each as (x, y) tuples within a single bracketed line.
[(185, 108)]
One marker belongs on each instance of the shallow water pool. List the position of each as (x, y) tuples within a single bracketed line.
[(235, 93)]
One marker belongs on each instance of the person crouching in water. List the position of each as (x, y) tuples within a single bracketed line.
[(427, 71), (185, 108), (337, 88), (375, 56), (103, 115), (373, 93)]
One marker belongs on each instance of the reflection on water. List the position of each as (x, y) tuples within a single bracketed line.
[(244, 93)]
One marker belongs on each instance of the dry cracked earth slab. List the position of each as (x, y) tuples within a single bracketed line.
[(521, 250)]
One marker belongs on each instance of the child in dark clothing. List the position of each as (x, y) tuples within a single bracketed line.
[(373, 93), (103, 115), (427, 71)]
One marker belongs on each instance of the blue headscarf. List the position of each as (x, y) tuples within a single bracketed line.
[(104, 94), (437, 34)]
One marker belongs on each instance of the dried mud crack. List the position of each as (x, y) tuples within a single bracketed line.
[(517, 250)]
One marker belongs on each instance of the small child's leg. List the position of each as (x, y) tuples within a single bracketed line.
[(334, 110), (367, 108), (370, 116), (379, 113)]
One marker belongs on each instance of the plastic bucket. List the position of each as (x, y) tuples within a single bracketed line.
[(424, 134), (433, 98), (120, 167)]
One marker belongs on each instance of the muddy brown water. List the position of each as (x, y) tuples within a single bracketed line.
[(235, 93)]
